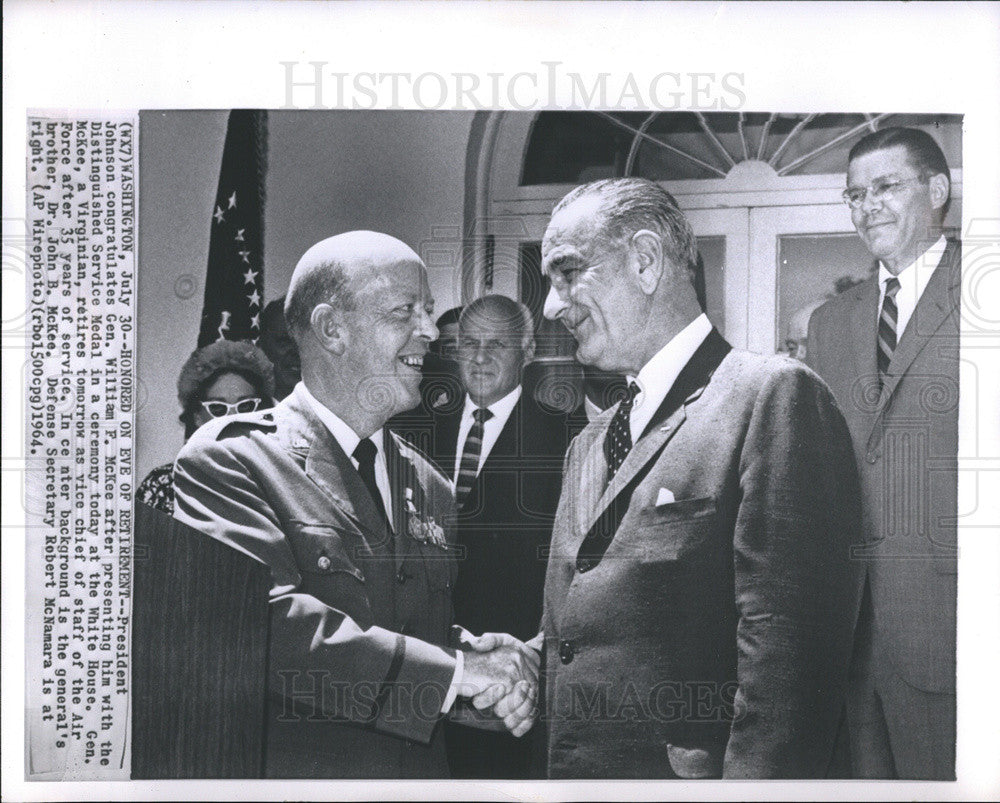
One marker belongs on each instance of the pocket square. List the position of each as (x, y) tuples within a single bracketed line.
[(664, 497)]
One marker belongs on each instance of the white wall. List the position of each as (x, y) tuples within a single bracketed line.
[(399, 172)]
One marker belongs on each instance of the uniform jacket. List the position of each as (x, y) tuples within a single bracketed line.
[(712, 637), (906, 444), (359, 615)]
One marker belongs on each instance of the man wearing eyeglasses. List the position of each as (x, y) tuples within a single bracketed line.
[(357, 528), (888, 348)]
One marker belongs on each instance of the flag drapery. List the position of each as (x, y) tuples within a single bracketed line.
[(234, 280)]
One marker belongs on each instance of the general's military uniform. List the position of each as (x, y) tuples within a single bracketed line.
[(358, 670)]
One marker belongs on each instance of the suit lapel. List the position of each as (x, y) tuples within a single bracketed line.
[(864, 328), (933, 308), (327, 465), (667, 419), (446, 440), (593, 477)]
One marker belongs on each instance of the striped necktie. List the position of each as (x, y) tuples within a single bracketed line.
[(469, 467), (618, 440), (887, 327)]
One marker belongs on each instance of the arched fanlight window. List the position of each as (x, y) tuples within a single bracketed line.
[(572, 148)]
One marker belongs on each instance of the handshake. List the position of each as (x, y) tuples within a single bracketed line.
[(501, 674)]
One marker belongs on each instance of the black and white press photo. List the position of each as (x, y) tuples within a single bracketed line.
[(691, 455), (549, 401)]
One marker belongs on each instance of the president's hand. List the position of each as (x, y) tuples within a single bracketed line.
[(514, 703)]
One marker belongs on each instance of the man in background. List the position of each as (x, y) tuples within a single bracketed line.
[(280, 348), (504, 452), (888, 349)]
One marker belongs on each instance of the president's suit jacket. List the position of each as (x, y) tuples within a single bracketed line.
[(711, 638), (906, 445), (359, 616)]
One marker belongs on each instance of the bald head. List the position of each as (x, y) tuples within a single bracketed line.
[(328, 272)]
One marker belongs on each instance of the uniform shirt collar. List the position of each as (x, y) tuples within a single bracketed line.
[(659, 374), (346, 437)]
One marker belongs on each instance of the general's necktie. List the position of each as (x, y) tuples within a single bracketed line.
[(887, 327), (469, 467), (618, 440), (364, 453)]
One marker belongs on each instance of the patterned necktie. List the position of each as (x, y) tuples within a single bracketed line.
[(364, 453), (887, 327), (618, 440), (469, 467)]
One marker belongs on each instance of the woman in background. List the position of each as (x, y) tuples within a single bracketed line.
[(220, 379)]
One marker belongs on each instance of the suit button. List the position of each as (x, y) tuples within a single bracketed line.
[(584, 565), (871, 458), (566, 651), (401, 577), (323, 563)]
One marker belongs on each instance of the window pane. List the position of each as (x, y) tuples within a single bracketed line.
[(576, 147), (712, 251), (811, 269)]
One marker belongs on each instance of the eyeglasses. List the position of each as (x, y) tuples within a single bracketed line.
[(879, 191), (218, 409)]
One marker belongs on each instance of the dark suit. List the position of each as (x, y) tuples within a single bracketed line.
[(357, 673), (906, 443), (710, 636), (504, 529)]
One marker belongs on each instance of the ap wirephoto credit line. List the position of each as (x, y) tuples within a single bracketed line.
[(82, 227)]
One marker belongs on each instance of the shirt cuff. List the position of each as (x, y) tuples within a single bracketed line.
[(456, 681)]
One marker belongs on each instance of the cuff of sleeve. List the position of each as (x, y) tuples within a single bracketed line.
[(456, 681)]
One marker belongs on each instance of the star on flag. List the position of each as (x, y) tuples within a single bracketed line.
[(234, 279)]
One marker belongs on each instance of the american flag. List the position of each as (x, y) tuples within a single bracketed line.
[(234, 281)]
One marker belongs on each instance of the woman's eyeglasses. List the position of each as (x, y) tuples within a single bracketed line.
[(218, 409)]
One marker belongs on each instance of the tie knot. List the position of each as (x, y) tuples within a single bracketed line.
[(629, 399), (891, 286), (482, 414), (364, 452)]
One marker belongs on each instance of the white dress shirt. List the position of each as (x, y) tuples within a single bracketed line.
[(912, 281), (492, 428), (659, 374), (349, 440)]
